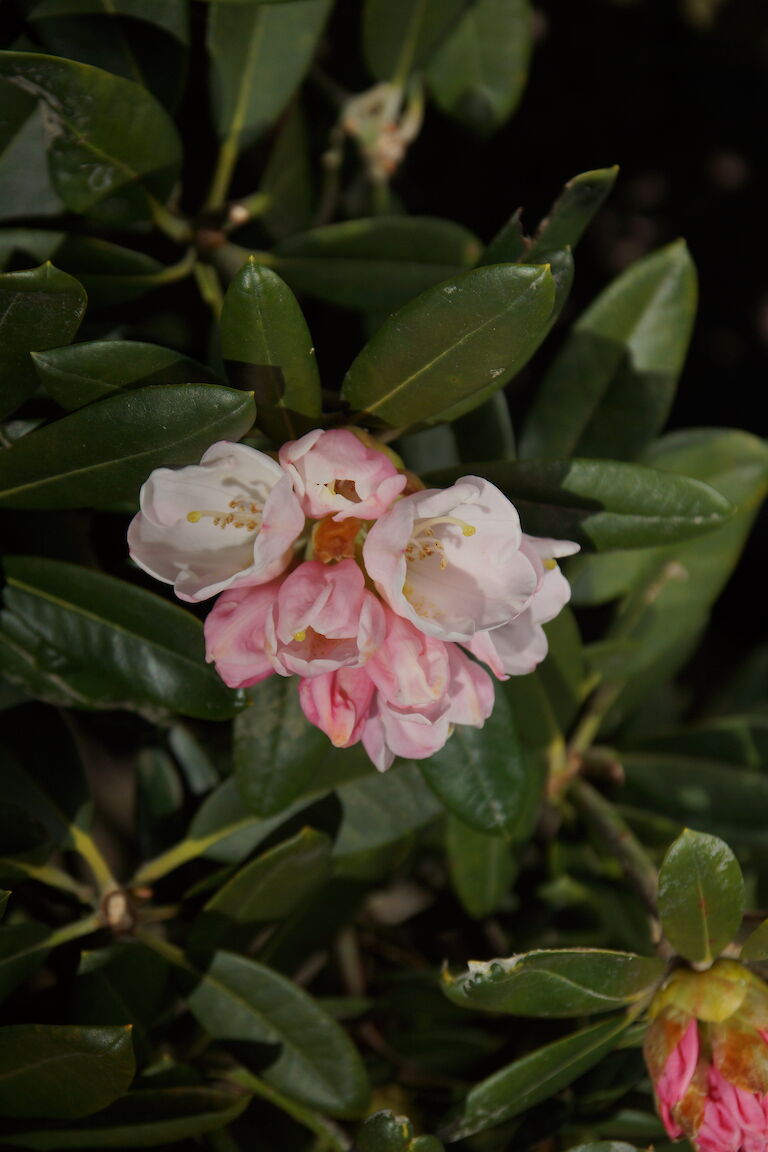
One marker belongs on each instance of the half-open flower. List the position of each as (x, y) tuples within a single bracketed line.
[(450, 560), (338, 703), (234, 634), (231, 519), (518, 647), (324, 618), (336, 474)]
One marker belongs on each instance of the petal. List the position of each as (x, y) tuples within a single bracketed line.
[(235, 634)]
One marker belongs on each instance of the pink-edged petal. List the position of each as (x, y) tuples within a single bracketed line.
[(338, 703), (335, 473), (235, 634)]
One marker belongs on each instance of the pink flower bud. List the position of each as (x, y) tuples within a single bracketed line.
[(335, 474), (234, 634), (338, 703)]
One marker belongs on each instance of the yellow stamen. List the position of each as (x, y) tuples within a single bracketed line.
[(299, 636), (550, 564)]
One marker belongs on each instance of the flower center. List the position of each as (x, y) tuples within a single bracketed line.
[(242, 514), (423, 543)]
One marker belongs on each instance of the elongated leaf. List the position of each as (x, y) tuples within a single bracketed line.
[(701, 896), (611, 388), (755, 947), (259, 54), (268, 349), (39, 309), (78, 375), (238, 999), (533, 1078), (451, 342), (102, 162), (478, 73), (482, 867), (59, 1072), (602, 504), (481, 775), (123, 983), (400, 36), (572, 212), (142, 1119), (379, 810), (53, 793), (23, 948), (575, 982), (376, 264), (287, 178), (103, 453), (24, 176), (386, 1132), (114, 645), (486, 432), (276, 749), (272, 885)]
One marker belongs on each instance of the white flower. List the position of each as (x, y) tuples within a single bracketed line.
[(229, 520)]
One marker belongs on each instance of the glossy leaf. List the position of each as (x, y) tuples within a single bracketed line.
[(377, 264), (480, 774), (142, 1119), (97, 169), (533, 1078), (144, 42), (572, 212), (287, 178), (602, 504), (610, 389), (450, 343), (486, 432), (113, 645), (576, 982), (481, 866), (400, 36), (238, 999), (386, 1132), (274, 883), (23, 163), (41, 308), (104, 453), (478, 73), (378, 812), (268, 350), (62, 1072), (701, 896), (78, 375), (276, 749), (259, 54)]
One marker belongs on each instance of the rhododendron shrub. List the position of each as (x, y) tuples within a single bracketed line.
[(374, 778)]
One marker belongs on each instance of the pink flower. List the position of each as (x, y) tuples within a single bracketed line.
[(234, 634), (336, 474), (231, 519), (450, 560), (518, 647), (324, 618), (707, 1052), (410, 670), (338, 703), (418, 732)]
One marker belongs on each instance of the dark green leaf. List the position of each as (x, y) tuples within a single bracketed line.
[(78, 375), (238, 999), (485, 433), (272, 885), (701, 896), (572, 212), (481, 775), (602, 504), (386, 1132), (755, 947), (259, 54), (123, 983), (481, 866), (379, 811), (53, 792), (533, 1078), (62, 1072), (5, 896), (143, 1119), (611, 387), (103, 453), (39, 309), (576, 982), (268, 349), (276, 749), (23, 948), (96, 167), (142, 40), (509, 244), (287, 179), (450, 343), (377, 264), (478, 73), (24, 177), (400, 36), (111, 644)]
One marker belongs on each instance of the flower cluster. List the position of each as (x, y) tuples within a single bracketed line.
[(707, 1051), (334, 565)]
